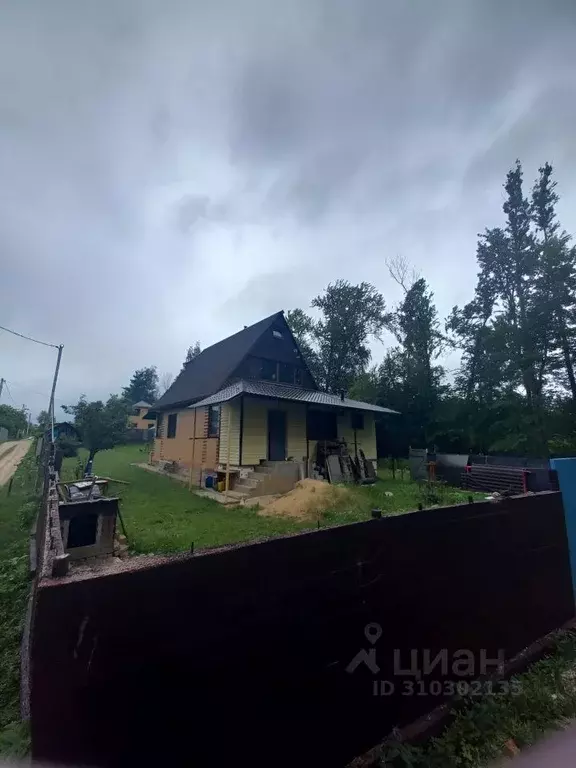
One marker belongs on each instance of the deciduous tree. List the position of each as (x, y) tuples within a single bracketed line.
[(100, 425), (337, 342), (13, 419)]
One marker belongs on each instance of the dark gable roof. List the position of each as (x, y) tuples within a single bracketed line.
[(207, 373)]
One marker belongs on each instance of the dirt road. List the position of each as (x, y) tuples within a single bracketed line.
[(10, 456)]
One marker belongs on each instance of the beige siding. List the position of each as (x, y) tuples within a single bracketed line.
[(255, 439), (365, 438), (312, 444), (230, 414), (296, 428)]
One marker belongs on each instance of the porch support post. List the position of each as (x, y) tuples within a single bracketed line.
[(241, 430), (306, 406), (193, 452), (228, 450)]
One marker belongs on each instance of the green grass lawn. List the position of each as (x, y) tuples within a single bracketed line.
[(161, 515), (17, 512), (394, 496)]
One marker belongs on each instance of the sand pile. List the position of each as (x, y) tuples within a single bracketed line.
[(307, 499)]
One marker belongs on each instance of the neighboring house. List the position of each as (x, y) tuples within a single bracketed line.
[(251, 398), (138, 418)]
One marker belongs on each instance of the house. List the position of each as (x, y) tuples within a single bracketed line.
[(138, 418), (251, 400)]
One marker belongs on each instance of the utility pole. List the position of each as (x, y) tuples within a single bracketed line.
[(60, 347), (1, 386)]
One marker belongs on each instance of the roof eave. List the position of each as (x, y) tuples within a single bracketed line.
[(242, 388)]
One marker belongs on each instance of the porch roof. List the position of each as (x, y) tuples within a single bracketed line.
[(286, 392)]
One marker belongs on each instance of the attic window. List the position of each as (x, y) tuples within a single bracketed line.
[(277, 335), (269, 371)]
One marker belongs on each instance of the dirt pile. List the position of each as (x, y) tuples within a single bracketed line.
[(306, 500)]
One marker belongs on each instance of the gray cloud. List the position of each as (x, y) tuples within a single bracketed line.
[(173, 171)]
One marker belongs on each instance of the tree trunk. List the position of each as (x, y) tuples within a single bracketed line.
[(568, 363), (88, 468)]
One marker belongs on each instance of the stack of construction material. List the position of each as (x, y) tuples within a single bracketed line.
[(504, 480)]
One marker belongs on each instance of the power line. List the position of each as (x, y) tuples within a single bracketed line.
[(9, 393), (29, 338), (26, 388)]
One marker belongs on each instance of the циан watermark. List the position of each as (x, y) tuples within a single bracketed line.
[(416, 671)]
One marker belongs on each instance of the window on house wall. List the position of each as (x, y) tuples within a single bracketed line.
[(357, 420), (322, 425), (172, 421), (268, 370), (286, 373), (159, 421), (213, 421)]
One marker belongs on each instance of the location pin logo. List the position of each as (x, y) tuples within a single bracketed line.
[(373, 632)]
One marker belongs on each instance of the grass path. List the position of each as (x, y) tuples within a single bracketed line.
[(17, 512)]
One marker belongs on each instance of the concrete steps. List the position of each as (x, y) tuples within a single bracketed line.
[(251, 480), (274, 477), (238, 495)]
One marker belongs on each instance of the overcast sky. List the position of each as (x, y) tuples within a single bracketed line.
[(174, 170)]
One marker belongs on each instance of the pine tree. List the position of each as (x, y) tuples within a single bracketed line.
[(143, 386), (556, 280), (191, 353)]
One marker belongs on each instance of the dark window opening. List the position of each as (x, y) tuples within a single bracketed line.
[(286, 373), (82, 531), (322, 425), (254, 368), (213, 421), (357, 420), (268, 370), (159, 425), (172, 420)]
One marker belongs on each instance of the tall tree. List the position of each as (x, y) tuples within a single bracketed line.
[(191, 353), (556, 284), (518, 334), (337, 342), (143, 386), (304, 331), (417, 330), (100, 425)]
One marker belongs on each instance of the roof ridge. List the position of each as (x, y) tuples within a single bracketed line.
[(208, 371)]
